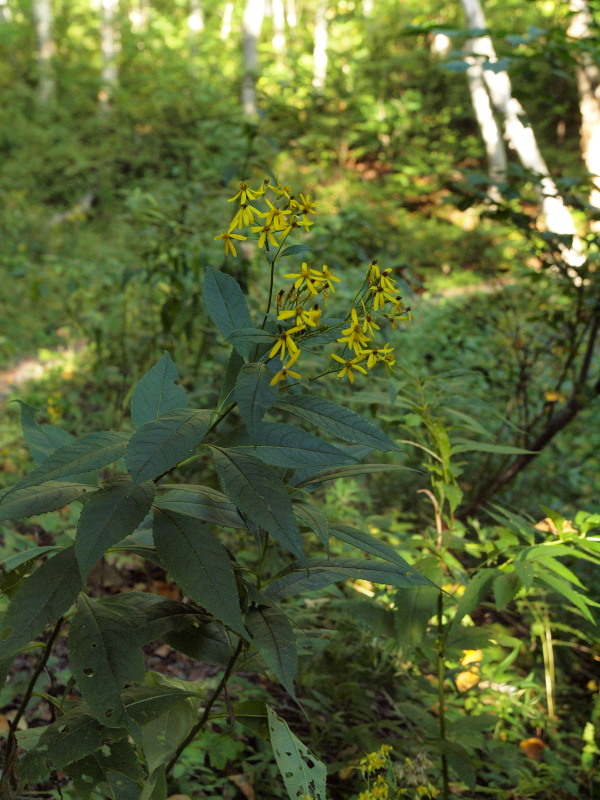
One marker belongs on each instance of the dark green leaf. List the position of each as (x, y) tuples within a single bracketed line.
[(505, 588), (40, 499), (157, 393), (254, 395), (273, 637), (104, 657), (259, 493), (243, 339), (234, 365), (208, 643), (467, 446), (302, 772), (145, 703), (159, 446), (334, 473), (475, 592), (200, 565), (294, 250), (109, 516), (314, 519), (162, 736), (200, 502), (225, 303), (42, 440), (369, 544), (152, 616), (337, 421), (252, 714), (44, 597), (115, 771)]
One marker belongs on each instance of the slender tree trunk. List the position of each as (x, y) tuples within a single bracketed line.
[(226, 21), (195, 24), (42, 14), (320, 46), (290, 13), (521, 137), (588, 84), (109, 47), (367, 6), (138, 16), (278, 29), (252, 25), (5, 11)]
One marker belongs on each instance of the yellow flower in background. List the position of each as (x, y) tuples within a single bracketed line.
[(244, 216), (351, 365), (376, 354), (380, 296), (306, 275), (285, 342), (387, 281), (293, 224), (266, 234), (326, 277), (374, 273), (286, 372), (306, 205), (227, 238), (303, 317), (276, 217), (354, 336), (245, 193)]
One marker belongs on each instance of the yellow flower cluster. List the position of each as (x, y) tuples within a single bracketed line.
[(393, 780)]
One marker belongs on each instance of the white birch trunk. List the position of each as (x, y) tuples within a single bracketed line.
[(5, 11), (521, 137), (109, 47), (367, 7), (588, 85), (290, 13), (138, 16), (195, 24), (252, 25), (42, 14), (320, 46), (278, 29), (226, 21)]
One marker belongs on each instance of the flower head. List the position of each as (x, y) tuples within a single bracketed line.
[(350, 365), (227, 238), (245, 193)]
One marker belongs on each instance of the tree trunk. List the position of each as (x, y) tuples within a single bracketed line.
[(109, 47), (226, 21), (42, 14), (521, 137), (5, 11), (195, 24), (278, 29), (252, 25), (320, 46), (588, 84), (290, 13)]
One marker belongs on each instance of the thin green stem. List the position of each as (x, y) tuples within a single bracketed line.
[(441, 694)]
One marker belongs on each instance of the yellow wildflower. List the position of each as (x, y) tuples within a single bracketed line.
[(374, 273), (306, 205), (326, 278), (387, 281), (380, 295), (303, 317), (266, 234), (244, 216), (369, 325), (227, 238), (350, 366), (276, 217), (306, 275), (285, 342), (286, 372), (378, 354), (354, 336), (245, 193)]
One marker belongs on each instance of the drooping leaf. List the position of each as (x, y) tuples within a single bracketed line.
[(302, 772), (368, 543), (259, 493), (225, 303), (162, 736), (103, 659), (159, 446), (467, 446), (333, 473), (115, 770), (286, 446), (44, 597), (93, 451), (322, 572), (313, 518), (145, 703), (273, 637), (109, 516), (580, 601), (40, 499), (475, 592), (337, 421), (252, 714), (152, 616), (200, 565), (210, 643), (157, 393), (200, 502), (254, 395)]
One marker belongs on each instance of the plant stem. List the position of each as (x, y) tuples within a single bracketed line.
[(11, 740), (441, 695), (210, 703)]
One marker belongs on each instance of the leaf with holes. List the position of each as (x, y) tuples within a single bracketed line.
[(273, 637), (108, 516), (302, 772), (104, 656), (114, 770), (157, 393)]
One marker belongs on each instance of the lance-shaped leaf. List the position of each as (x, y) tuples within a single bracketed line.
[(225, 302), (273, 637), (200, 502), (337, 420), (42, 498), (44, 597), (286, 446), (16, 568), (109, 516), (157, 393), (302, 772), (243, 340), (200, 565), (322, 572), (254, 395), (159, 446), (313, 518), (334, 473), (162, 736), (152, 616), (369, 544), (259, 493), (41, 439), (90, 452), (210, 643), (115, 771), (103, 659)]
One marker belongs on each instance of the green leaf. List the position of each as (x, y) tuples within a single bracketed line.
[(294, 250), (322, 572), (477, 588), (259, 493), (460, 761), (93, 451), (18, 567), (159, 446), (157, 393), (302, 772), (162, 736), (234, 365), (254, 394), (40, 499), (208, 643), (103, 659), (115, 771), (334, 473), (467, 446), (243, 338), (566, 590), (200, 565), (252, 714), (369, 544), (314, 519), (286, 446), (225, 303), (152, 616), (42, 440), (109, 516), (44, 597), (273, 637), (145, 703), (506, 586), (200, 502), (337, 421)]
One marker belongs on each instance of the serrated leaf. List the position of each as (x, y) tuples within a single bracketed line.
[(273, 637), (313, 518), (337, 421), (225, 303), (286, 446), (103, 659), (157, 393), (93, 451), (42, 440), (152, 616), (115, 770), (200, 565), (42, 498), (45, 596), (302, 772), (254, 394), (242, 339), (566, 590), (322, 572), (159, 446), (369, 544), (259, 493), (334, 473), (200, 502)]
